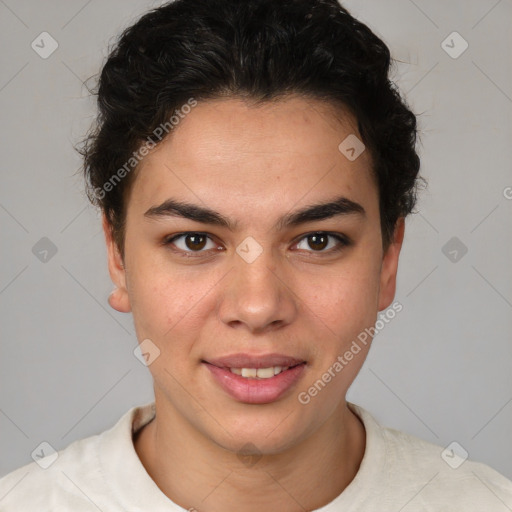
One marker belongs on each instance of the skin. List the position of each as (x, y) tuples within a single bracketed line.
[(253, 164)]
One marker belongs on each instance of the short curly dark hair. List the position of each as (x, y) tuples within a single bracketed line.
[(260, 50)]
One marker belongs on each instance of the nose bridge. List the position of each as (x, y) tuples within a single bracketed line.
[(257, 295)]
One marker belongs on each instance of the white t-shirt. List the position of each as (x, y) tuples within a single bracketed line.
[(398, 472)]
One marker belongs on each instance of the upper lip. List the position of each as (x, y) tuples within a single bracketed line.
[(254, 361)]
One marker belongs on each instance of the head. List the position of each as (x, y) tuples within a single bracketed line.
[(229, 121)]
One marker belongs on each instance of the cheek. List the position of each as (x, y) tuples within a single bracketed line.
[(168, 305), (344, 303), (339, 311)]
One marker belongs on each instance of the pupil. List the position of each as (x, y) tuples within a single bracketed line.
[(316, 244), (198, 241)]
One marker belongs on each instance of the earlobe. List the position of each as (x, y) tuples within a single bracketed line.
[(390, 266), (118, 299)]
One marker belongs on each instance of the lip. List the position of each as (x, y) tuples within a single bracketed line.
[(255, 391)]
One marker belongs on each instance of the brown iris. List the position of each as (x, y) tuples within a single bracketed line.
[(196, 241), (318, 241)]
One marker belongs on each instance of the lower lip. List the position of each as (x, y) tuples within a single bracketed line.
[(256, 391)]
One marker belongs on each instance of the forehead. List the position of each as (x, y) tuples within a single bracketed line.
[(229, 153)]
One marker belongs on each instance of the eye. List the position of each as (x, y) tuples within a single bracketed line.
[(196, 243), (191, 242), (319, 241)]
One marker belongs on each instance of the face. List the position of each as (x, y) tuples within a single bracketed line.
[(240, 279)]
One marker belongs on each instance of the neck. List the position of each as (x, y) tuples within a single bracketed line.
[(198, 474)]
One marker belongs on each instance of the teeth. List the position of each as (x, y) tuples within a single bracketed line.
[(249, 372), (265, 373), (260, 373)]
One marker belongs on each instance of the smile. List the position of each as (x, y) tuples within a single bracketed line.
[(256, 379)]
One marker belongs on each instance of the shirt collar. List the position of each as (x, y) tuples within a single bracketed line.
[(136, 491)]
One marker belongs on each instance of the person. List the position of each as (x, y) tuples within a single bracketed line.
[(254, 165)]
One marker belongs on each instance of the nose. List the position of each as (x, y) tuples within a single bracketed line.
[(258, 295)]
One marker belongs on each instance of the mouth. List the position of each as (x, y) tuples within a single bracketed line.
[(260, 373), (256, 379)]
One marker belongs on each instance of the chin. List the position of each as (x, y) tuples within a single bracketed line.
[(265, 434)]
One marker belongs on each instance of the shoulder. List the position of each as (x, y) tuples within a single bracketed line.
[(53, 480), (431, 477), (447, 475), (74, 478)]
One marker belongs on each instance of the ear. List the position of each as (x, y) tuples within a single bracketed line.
[(390, 266), (118, 299)]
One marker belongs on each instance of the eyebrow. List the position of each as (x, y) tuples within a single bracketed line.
[(340, 206)]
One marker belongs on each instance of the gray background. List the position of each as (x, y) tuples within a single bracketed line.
[(440, 370)]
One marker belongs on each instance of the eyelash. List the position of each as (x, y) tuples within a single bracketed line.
[(343, 242)]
